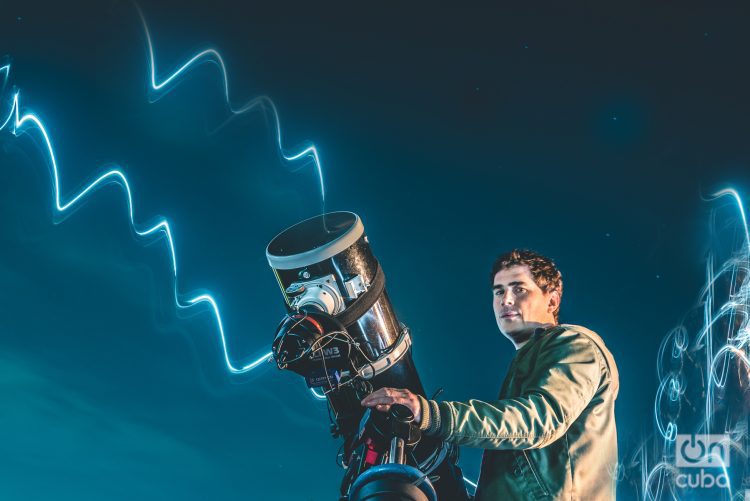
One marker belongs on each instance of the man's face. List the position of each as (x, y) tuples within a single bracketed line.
[(520, 305)]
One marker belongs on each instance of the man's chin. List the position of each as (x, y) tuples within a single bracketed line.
[(516, 331), (513, 332), (519, 337), (511, 324)]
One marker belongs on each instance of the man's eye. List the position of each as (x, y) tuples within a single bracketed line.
[(498, 292), (520, 290)]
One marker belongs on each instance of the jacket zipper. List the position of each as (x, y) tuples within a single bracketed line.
[(533, 470)]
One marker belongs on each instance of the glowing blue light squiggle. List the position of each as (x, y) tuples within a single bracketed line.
[(19, 123), (735, 344), (210, 55)]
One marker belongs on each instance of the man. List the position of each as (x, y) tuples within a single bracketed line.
[(551, 434)]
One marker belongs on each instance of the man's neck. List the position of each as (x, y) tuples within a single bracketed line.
[(520, 345), (521, 337)]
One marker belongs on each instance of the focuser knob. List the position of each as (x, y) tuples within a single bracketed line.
[(295, 289)]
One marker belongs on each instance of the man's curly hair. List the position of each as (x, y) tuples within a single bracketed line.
[(543, 270)]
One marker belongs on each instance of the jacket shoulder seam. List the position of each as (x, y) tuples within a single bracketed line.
[(600, 357)]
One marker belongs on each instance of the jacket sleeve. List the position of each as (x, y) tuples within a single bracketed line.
[(561, 384)]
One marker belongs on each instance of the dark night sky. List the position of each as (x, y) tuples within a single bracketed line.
[(590, 135)]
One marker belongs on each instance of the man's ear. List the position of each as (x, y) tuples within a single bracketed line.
[(554, 301)]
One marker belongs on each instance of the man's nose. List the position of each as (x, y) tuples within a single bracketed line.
[(508, 298)]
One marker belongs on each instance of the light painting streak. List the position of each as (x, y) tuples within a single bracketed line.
[(735, 346), (159, 88), (18, 123), (317, 395), (22, 123), (472, 484)]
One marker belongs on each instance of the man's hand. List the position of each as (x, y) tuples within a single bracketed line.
[(383, 398)]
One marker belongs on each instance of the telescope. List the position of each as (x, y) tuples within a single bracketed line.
[(341, 334)]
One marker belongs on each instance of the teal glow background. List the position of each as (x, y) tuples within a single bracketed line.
[(455, 133)]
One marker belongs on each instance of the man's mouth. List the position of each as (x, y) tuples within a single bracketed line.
[(510, 314)]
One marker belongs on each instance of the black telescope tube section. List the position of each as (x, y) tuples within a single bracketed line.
[(335, 244)]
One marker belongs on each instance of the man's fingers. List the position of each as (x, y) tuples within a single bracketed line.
[(383, 398), (381, 393), (370, 402), (369, 397)]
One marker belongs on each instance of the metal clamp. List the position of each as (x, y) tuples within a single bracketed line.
[(384, 363)]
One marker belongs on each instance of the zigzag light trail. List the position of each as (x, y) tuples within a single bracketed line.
[(19, 123), (213, 56)]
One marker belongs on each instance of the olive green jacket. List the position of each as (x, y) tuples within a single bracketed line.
[(551, 434)]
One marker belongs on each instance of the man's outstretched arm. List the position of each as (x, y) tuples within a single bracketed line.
[(563, 382)]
